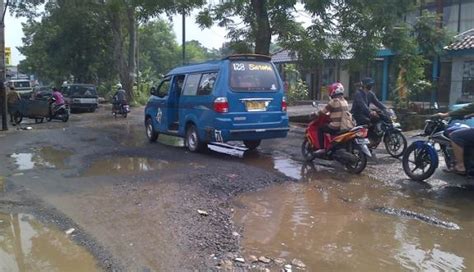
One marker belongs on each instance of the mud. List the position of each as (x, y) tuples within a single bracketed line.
[(329, 224), (28, 245)]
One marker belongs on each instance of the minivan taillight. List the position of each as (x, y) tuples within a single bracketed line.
[(284, 106), (221, 105)]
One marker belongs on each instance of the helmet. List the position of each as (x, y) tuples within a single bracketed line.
[(118, 86), (336, 89), (368, 82)]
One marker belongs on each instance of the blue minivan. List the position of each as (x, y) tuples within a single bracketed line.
[(238, 98)]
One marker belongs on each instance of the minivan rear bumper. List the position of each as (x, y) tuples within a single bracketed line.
[(257, 131)]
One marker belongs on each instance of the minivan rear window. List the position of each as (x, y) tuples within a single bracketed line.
[(253, 76), (81, 90)]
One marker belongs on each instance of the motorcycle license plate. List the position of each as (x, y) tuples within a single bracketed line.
[(362, 141), (255, 105)]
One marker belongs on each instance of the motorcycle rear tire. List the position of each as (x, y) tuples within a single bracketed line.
[(387, 140), (361, 164), (406, 166), (307, 150)]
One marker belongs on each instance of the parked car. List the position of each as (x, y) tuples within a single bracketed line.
[(239, 98), (81, 96)]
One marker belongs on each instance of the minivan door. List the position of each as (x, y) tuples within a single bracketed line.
[(160, 105)]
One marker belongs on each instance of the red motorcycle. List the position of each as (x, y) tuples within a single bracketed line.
[(348, 147)]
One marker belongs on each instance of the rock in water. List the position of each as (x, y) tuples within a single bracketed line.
[(298, 263), (264, 259)]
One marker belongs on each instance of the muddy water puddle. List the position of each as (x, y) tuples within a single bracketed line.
[(338, 225), (124, 166), (28, 245), (41, 157), (137, 138)]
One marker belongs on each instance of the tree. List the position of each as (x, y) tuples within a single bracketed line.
[(55, 47), (252, 24)]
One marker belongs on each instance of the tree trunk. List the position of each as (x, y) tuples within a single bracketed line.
[(132, 52), (263, 35), (125, 58)]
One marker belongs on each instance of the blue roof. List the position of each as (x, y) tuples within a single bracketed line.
[(193, 68)]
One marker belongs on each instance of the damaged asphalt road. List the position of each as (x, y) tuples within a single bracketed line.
[(138, 206)]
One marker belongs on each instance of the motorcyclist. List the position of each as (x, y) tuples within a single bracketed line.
[(120, 97), (460, 138), (336, 108), (57, 100), (363, 97)]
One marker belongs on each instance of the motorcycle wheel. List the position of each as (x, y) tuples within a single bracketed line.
[(418, 163), (307, 150), (395, 144), (65, 117), (361, 163)]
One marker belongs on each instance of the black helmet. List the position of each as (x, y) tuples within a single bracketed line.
[(368, 82)]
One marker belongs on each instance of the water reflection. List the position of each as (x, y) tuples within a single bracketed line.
[(124, 165), (329, 225), (42, 157), (27, 245)]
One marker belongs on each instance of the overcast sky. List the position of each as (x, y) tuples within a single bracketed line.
[(211, 38)]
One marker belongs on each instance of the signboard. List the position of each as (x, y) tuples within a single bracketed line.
[(8, 56)]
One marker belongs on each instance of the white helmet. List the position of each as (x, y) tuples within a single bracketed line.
[(119, 86)]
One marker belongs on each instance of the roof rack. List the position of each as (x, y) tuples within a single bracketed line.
[(248, 57)]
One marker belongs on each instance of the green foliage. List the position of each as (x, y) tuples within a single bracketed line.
[(251, 24), (297, 89)]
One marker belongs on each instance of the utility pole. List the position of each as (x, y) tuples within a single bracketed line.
[(3, 90), (184, 37)]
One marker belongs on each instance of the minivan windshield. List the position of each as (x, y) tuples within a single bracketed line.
[(253, 76)]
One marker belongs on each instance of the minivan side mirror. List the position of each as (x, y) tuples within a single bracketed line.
[(153, 91)]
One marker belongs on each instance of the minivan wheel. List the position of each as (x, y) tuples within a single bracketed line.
[(151, 134), (251, 145), (193, 142)]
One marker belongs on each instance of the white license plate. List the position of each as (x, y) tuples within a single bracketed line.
[(362, 141), (255, 105)]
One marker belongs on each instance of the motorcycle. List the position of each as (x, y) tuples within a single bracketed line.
[(385, 127), (60, 112), (348, 147), (421, 157), (121, 109)]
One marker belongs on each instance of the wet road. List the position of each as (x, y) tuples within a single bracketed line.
[(134, 204)]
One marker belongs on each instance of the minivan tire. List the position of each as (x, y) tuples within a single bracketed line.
[(252, 145), (151, 134), (193, 142)]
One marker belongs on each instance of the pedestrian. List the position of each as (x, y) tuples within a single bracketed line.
[(13, 98)]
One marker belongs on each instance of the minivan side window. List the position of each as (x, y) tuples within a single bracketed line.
[(191, 85), (207, 84), (164, 88)]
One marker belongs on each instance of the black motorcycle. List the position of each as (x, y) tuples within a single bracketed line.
[(120, 109), (421, 157), (387, 129), (60, 112)]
